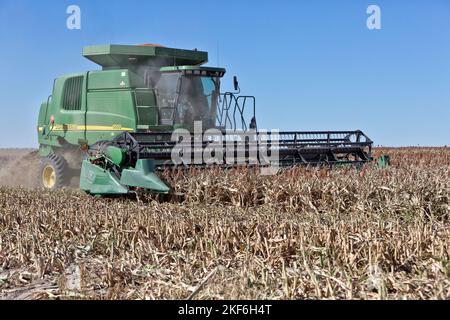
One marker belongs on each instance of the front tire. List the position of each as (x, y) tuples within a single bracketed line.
[(54, 172)]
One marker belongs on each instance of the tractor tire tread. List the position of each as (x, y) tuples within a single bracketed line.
[(60, 165)]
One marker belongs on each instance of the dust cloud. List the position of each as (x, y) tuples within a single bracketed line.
[(19, 168)]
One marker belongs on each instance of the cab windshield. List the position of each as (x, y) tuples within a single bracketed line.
[(183, 99)]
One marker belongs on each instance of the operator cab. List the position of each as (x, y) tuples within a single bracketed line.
[(186, 94)]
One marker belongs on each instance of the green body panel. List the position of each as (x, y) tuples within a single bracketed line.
[(107, 108), (143, 176), (51, 134), (97, 181), (110, 105)]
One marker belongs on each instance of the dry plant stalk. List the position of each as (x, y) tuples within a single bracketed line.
[(303, 234)]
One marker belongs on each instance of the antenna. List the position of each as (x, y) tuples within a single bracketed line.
[(218, 54)]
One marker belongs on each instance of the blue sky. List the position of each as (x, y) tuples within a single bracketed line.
[(313, 65)]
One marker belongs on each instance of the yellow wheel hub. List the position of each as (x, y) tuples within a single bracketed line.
[(49, 177)]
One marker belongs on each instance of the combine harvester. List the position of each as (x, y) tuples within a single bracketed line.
[(117, 127)]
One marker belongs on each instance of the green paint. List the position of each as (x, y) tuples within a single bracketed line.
[(97, 181), (143, 176)]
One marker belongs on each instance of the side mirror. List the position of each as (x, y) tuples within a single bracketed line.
[(253, 124), (235, 83)]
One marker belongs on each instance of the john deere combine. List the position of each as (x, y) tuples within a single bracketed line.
[(115, 128)]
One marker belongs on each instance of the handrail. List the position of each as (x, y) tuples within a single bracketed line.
[(234, 104)]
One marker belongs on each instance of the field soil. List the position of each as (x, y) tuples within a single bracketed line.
[(304, 233)]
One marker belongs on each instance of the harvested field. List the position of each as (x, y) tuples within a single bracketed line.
[(302, 234)]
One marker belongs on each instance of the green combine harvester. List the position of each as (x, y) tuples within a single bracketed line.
[(115, 128)]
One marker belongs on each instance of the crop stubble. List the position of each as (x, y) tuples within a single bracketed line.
[(302, 234)]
